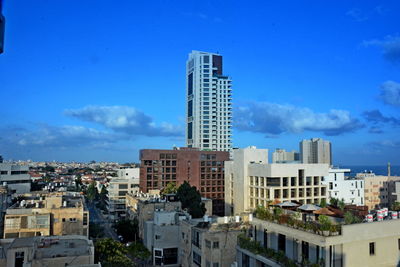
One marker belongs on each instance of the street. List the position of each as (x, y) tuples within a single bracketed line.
[(96, 218)]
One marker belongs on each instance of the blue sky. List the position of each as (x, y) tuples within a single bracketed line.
[(99, 80)]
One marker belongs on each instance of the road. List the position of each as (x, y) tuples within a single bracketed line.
[(96, 218)]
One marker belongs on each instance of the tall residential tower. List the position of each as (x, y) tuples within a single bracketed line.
[(316, 150), (209, 107)]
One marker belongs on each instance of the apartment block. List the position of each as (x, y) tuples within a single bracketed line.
[(210, 242), (209, 107), (143, 208), (162, 237), (250, 181), (203, 169), (127, 182), (71, 250), (362, 244), (283, 156), (45, 214), (377, 192), (16, 177), (343, 187), (316, 150)]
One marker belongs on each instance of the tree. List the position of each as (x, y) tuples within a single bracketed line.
[(91, 192), (323, 203), (169, 189), (190, 198), (139, 251), (128, 229), (95, 230), (111, 253), (396, 206), (334, 202), (78, 182)]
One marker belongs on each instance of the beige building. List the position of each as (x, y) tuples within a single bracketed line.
[(44, 214), (209, 242), (250, 181), (363, 244), (315, 150), (127, 182), (378, 189), (72, 250), (283, 156), (143, 208)]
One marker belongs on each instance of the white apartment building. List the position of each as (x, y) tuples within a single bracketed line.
[(283, 156), (16, 177), (316, 150), (341, 186), (118, 187), (250, 181), (209, 107)]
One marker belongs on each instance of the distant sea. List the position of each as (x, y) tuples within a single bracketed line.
[(378, 170)]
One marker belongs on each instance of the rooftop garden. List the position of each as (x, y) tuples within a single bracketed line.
[(324, 226)]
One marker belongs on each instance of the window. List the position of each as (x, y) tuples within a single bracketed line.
[(216, 245), (208, 243), (158, 237), (398, 243), (196, 259), (215, 264), (372, 248), (282, 243)]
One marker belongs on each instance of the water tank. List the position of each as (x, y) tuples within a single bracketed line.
[(379, 215), (237, 219), (394, 215), (225, 219), (205, 218), (250, 217), (369, 218)]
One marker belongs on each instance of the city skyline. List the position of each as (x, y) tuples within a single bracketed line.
[(94, 81)]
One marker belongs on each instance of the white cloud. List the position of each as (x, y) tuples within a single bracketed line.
[(274, 119), (390, 93), (390, 47), (125, 120)]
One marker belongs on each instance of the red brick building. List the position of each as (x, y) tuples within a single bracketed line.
[(203, 169)]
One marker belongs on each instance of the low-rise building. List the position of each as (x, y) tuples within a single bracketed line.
[(283, 156), (162, 237), (250, 181), (44, 214), (277, 244), (16, 177), (343, 187), (210, 242), (72, 250), (377, 191), (143, 208), (127, 182)]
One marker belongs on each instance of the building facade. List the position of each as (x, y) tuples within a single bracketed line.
[(127, 182), (16, 177), (283, 156), (47, 214), (316, 150), (362, 244), (250, 181), (342, 187), (203, 169), (209, 107), (378, 192), (72, 250)]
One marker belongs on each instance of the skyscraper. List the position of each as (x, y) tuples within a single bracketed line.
[(209, 107), (315, 150)]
